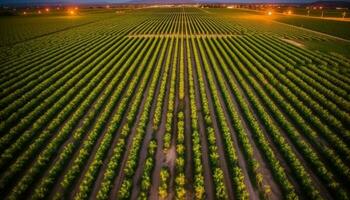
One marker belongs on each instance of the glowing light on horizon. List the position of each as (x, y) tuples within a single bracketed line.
[(269, 13), (72, 11)]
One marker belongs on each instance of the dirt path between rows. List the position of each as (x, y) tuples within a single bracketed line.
[(57, 187), (53, 160), (264, 168), (323, 190), (253, 194), (315, 179), (188, 132), (208, 177), (222, 162), (298, 27), (120, 177), (159, 155), (295, 43), (150, 132), (170, 156), (70, 139)]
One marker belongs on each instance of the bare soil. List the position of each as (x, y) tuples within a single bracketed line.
[(208, 177), (150, 133), (159, 155), (222, 162), (57, 187), (295, 43), (241, 160), (121, 175), (188, 132)]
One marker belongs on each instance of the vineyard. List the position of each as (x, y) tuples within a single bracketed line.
[(172, 103)]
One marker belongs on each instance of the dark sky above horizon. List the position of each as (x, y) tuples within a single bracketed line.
[(123, 1)]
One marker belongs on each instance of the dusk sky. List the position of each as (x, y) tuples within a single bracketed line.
[(123, 1)]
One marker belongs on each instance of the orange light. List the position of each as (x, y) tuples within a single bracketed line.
[(269, 13), (39, 12), (76, 8), (24, 13), (71, 12), (289, 12), (47, 9), (107, 6)]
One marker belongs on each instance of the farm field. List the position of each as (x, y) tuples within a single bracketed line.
[(335, 26), (317, 12), (172, 103)]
